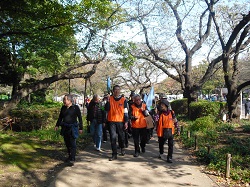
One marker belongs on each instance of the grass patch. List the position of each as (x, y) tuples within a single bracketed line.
[(24, 151)]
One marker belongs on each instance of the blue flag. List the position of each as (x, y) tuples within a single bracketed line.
[(150, 98), (108, 84), (145, 97)]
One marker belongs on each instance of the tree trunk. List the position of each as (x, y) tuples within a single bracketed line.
[(191, 96), (233, 98)]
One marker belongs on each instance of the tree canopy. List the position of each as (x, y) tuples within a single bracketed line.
[(40, 41)]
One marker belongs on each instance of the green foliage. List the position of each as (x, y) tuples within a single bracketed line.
[(125, 49), (180, 106), (221, 139), (246, 126), (205, 157), (203, 124), (30, 117), (4, 97), (99, 14), (224, 127), (205, 108), (40, 31)]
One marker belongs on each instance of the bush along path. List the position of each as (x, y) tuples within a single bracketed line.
[(223, 147)]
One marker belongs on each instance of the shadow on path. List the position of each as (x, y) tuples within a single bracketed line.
[(94, 169)]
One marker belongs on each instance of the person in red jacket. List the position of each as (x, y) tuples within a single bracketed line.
[(165, 129), (137, 112)]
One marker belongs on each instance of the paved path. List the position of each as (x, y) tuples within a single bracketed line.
[(94, 169)]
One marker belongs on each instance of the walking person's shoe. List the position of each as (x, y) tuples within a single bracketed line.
[(71, 162), (67, 160), (114, 157), (136, 154), (169, 159), (143, 149), (122, 152), (162, 156)]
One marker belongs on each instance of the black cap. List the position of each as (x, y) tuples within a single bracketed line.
[(165, 102), (132, 93)]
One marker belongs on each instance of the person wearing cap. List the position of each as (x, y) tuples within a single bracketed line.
[(117, 117), (247, 107), (138, 111), (128, 131), (165, 129)]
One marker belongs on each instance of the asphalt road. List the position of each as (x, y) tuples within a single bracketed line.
[(93, 169)]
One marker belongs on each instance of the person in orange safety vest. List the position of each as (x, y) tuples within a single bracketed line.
[(165, 129), (137, 113), (117, 110)]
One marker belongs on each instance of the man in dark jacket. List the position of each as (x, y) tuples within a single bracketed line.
[(68, 122), (247, 107), (96, 118)]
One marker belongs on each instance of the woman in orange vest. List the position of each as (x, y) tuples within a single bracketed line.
[(165, 129), (137, 113)]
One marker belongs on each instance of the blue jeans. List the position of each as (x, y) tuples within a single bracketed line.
[(96, 133)]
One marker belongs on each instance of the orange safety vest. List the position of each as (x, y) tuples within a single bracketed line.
[(165, 121), (137, 112), (116, 112)]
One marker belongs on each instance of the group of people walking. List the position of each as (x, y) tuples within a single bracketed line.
[(121, 118)]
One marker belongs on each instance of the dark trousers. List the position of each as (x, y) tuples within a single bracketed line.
[(140, 138), (126, 137), (127, 134), (162, 142), (105, 133), (149, 134), (116, 128), (70, 143)]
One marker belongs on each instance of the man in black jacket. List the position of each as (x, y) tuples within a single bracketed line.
[(68, 122)]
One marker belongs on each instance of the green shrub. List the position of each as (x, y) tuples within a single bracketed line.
[(34, 117), (205, 157), (246, 126), (224, 127), (204, 108), (203, 123), (180, 106)]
